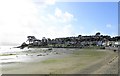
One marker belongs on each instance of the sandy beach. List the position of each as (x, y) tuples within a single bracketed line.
[(63, 61)]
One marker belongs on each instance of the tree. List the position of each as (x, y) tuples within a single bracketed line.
[(98, 34), (30, 39), (44, 41), (79, 36), (49, 40)]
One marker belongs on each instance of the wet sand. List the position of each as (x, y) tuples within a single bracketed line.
[(65, 61)]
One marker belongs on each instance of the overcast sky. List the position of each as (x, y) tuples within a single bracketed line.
[(51, 19)]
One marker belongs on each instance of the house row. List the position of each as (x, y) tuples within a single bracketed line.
[(93, 40)]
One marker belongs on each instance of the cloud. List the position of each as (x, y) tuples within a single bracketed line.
[(58, 13), (50, 2), (15, 17), (109, 26), (68, 16), (20, 18), (63, 16)]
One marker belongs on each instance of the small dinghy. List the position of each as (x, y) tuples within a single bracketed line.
[(49, 48)]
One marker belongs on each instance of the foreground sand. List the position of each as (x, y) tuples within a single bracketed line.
[(85, 61)]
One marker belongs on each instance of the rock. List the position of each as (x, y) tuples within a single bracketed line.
[(39, 55)]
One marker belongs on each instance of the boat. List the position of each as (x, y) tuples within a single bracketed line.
[(49, 48)]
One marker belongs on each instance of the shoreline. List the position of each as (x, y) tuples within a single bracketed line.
[(75, 61)]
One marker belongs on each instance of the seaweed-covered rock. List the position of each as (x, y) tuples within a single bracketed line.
[(23, 45), (39, 55)]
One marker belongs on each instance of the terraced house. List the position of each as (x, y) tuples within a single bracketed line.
[(79, 41)]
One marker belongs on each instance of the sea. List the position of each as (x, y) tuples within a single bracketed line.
[(10, 49), (10, 55), (6, 58)]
